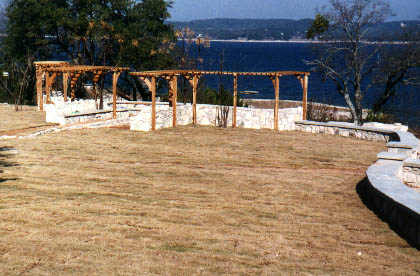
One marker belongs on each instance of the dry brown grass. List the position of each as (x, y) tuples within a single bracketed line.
[(193, 201), (21, 122)]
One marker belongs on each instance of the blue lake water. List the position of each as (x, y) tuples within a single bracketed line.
[(278, 56)]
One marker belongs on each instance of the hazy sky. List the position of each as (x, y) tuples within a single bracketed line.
[(185, 10)]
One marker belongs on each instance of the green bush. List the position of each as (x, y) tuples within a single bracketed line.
[(380, 117)]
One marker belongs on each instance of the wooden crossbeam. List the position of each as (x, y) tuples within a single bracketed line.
[(147, 81), (86, 68), (50, 78), (73, 80), (164, 73)]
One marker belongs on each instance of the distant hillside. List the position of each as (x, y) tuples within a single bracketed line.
[(258, 29), (277, 29)]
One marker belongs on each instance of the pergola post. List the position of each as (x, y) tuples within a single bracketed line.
[(65, 85), (194, 83), (305, 96), (174, 88), (276, 84), (153, 90), (52, 80), (47, 85), (115, 77), (39, 96), (235, 98), (96, 76)]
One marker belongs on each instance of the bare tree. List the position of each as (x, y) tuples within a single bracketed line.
[(345, 58), (398, 66)]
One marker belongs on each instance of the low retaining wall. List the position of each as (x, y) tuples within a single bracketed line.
[(206, 115), (78, 111), (412, 173), (140, 116), (395, 201)]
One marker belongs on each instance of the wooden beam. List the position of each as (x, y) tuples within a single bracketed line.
[(85, 68), (65, 85), (194, 83), (115, 78), (235, 98), (39, 94), (47, 86), (96, 76), (153, 91), (148, 83), (174, 87), (167, 73), (52, 78), (276, 84), (305, 97), (74, 77)]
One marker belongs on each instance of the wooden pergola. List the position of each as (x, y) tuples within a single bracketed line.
[(41, 67), (72, 73), (150, 79)]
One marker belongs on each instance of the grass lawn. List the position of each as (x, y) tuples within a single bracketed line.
[(25, 121), (192, 201)]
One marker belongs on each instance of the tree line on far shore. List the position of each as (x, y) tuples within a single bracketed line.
[(135, 34)]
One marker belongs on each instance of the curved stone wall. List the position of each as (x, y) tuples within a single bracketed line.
[(385, 190)]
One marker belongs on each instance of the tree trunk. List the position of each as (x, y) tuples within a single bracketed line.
[(352, 108), (358, 120)]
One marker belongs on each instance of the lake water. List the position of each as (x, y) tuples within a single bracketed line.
[(283, 56)]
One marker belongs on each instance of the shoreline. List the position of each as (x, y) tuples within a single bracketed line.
[(305, 41)]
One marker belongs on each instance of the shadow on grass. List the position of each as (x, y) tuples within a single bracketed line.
[(389, 212), (5, 154)]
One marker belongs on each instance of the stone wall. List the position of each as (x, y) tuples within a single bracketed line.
[(83, 111), (206, 115), (348, 130), (392, 185), (412, 173)]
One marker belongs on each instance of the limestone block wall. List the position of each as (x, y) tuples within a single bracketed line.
[(348, 130), (411, 173), (83, 111), (207, 114)]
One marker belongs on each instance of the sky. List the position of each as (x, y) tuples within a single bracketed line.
[(186, 10)]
